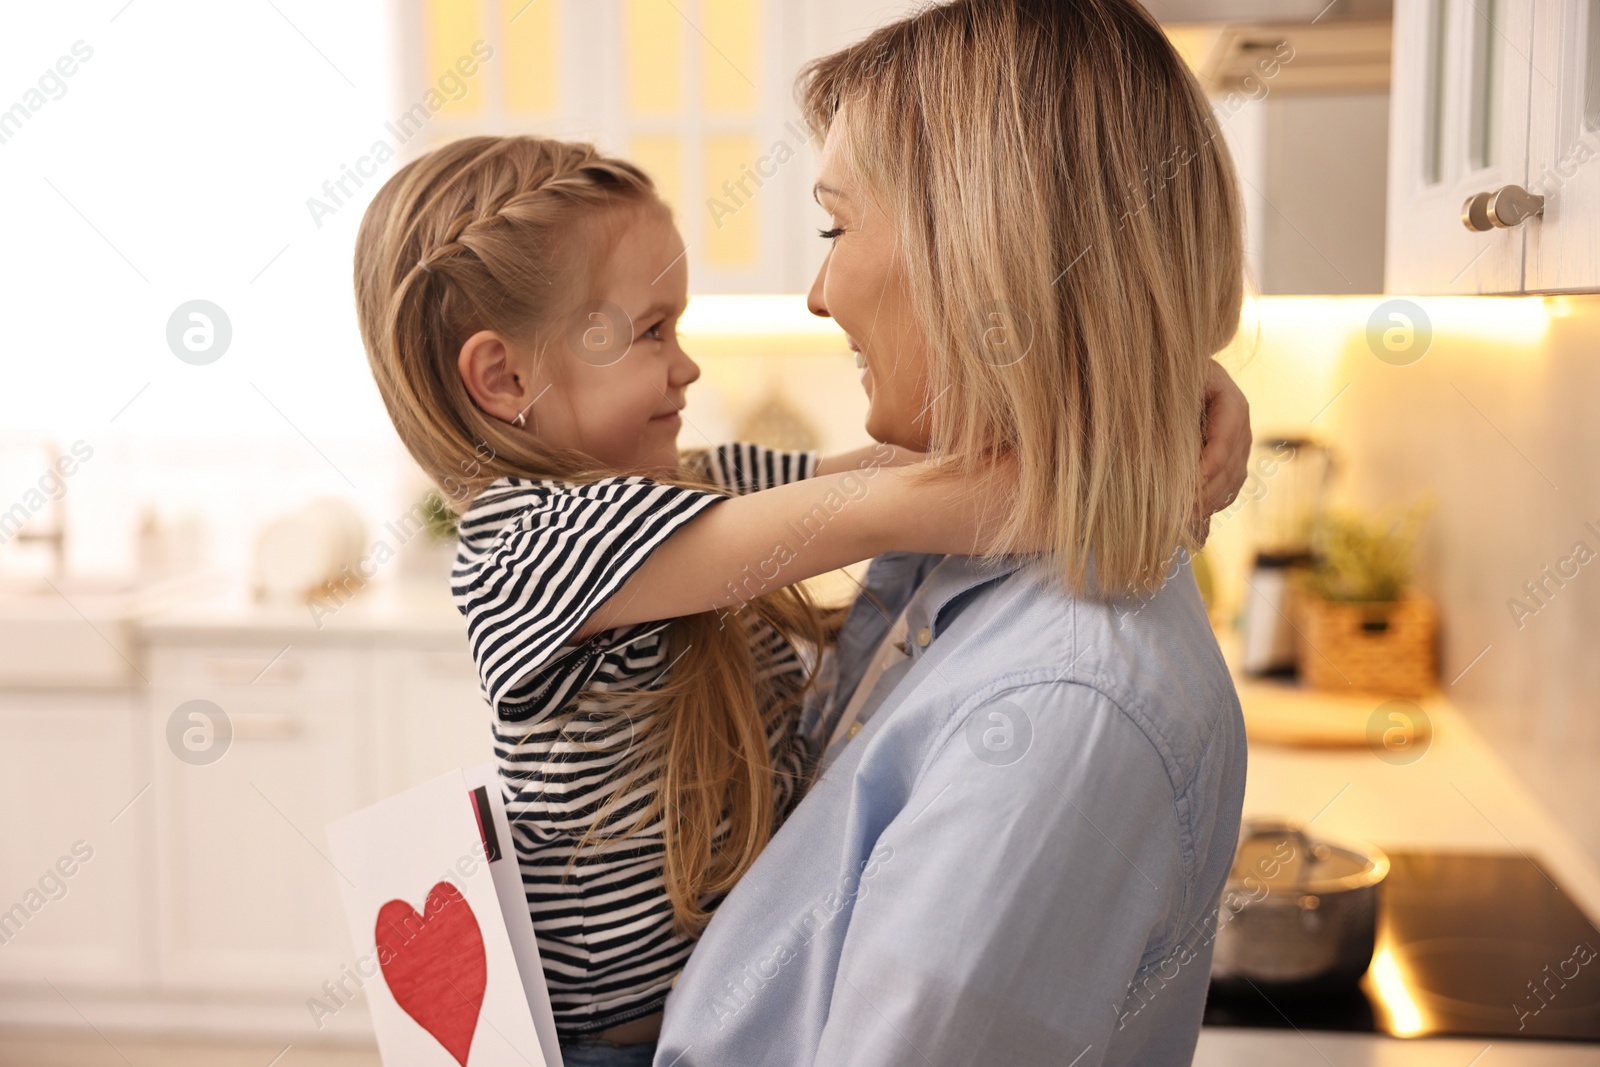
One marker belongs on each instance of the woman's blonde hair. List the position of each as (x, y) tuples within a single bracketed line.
[(503, 233), (1070, 226)]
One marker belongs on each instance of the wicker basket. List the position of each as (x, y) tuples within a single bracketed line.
[(1376, 647)]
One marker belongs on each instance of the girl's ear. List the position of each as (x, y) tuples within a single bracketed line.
[(497, 374)]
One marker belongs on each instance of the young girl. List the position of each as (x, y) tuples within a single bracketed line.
[(631, 610)]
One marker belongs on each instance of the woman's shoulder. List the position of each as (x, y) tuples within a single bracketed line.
[(1152, 652)]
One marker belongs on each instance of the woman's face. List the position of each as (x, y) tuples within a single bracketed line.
[(862, 287)]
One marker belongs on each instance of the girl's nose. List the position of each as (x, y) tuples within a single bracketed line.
[(684, 370)]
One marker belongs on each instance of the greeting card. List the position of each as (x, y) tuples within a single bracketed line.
[(431, 889)]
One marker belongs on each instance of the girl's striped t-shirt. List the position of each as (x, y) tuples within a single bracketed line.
[(536, 557)]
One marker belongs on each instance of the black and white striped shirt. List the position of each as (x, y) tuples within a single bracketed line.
[(536, 557)]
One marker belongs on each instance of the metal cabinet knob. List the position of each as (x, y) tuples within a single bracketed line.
[(1504, 208)]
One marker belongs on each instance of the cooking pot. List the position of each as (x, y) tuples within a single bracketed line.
[(1297, 914)]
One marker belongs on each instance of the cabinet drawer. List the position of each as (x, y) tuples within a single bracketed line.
[(255, 666)]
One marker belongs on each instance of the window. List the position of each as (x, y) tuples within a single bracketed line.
[(697, 92)]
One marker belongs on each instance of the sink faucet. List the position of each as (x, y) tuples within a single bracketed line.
[(19, 525), (56, 539)]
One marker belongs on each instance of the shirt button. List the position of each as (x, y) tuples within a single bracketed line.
[(855, 728), (924, 635)]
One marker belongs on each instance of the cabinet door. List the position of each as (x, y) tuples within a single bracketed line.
[(433, 714), (1458, 126), (1563, 143), (249, 900), (75, 845)]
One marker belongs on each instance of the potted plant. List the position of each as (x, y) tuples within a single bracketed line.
[(431, 545), (1361, 624)]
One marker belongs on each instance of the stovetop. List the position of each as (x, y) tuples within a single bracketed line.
[(1469, 944)]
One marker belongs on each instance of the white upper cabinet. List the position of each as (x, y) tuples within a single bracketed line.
[(1564, 247), (1458, 127), (1493, 115)]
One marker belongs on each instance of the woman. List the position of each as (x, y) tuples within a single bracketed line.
[(1018, 857)]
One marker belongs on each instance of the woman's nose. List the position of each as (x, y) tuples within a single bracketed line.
[(814, 302)]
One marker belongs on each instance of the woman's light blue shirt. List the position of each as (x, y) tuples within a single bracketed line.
[(1016, 861)]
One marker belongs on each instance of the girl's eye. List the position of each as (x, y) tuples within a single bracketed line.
[(654, 332), (828, 235)]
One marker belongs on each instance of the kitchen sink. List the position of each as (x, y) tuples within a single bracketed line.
[(76, 632)]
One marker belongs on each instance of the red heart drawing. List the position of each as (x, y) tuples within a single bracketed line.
[(435, 965)]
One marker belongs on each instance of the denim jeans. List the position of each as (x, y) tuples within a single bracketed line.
[(597, 1052)]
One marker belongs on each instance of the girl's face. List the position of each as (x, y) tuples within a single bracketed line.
[(862, 286), (611, 383)]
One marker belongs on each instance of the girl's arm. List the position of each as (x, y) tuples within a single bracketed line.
[(1223, 459), (879, 455), (860, 504), (746, 546)]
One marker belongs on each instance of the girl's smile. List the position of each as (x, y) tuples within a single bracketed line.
[(622, 411)]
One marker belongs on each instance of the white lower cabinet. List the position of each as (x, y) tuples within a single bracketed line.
[(75, 835), (438, 719), (209, 880), (248, 897)]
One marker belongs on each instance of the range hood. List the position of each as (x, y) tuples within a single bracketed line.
[(1343, 45)]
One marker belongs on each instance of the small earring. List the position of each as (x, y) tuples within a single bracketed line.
[(521, 419)]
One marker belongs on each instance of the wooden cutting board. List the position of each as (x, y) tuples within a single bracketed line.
[(1283, 714)]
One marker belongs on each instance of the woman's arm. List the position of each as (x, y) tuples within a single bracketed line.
[(746, 546)]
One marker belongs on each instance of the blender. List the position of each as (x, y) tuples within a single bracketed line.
[(1294, 473)]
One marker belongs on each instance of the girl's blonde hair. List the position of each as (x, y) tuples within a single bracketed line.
[(1070, 226), (503, 233)]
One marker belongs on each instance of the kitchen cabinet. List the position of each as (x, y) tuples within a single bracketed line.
[(319, 729), (1458, 126), (74, 870), (1494, 104), (442, 721), (1564, 246), (247, 896), (209, 882)]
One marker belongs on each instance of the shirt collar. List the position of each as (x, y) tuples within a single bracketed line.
[(950, 579)]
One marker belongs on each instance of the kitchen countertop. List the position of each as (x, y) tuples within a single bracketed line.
[(1455, 794), (413, 608), (402, 609)]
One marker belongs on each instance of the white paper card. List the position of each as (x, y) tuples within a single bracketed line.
[(421, 900), (514, 909)]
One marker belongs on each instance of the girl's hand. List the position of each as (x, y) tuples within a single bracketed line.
[(1225, 456)]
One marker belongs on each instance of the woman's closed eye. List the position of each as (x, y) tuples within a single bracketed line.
[(829, 235)]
